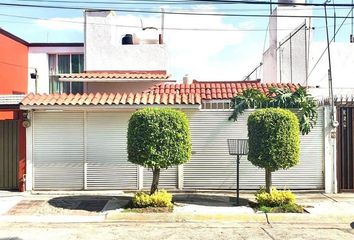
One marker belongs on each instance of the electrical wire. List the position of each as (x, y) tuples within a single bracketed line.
[(324, 51), (136, 26), (167, 12), (15, 65), (244, 2)]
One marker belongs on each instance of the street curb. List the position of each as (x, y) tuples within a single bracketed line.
[(251, 218), (52, 218), (309, 218), (272, 218), (171, 217)]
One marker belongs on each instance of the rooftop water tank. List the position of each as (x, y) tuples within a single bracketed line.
[(287, 3), (127, 39)]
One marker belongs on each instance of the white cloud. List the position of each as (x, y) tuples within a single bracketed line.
[(62, 24), (198, 53)]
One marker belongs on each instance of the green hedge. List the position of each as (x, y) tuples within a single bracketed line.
[(274, 141), (160, 198), (159, 138)]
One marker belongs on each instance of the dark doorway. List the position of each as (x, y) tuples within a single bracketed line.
[(345, 149), (8, 154)]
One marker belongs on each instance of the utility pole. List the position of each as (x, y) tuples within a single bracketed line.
[(330, 82)]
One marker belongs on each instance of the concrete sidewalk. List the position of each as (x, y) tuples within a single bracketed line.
[(189, 207)]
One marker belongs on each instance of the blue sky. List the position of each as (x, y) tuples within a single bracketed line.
[(205, 55)]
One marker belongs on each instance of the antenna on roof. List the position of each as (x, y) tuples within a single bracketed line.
[(145, 28)]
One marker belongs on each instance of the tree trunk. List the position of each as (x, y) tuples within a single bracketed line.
[(155, 180), (268, 177)]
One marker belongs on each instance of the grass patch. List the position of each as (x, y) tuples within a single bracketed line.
[(276, 202), (287, 208)]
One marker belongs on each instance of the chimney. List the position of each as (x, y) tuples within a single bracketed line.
[(187, 79)]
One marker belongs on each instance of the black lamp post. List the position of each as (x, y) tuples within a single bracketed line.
[(238, 147)]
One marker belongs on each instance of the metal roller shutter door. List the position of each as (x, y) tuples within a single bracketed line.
[(107, 162), (58, 151), (168, 178), (211, 167)]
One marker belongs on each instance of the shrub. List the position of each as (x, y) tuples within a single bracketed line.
[(158, 138), (275, 198), (274, 141), (282, 98), (160, 198)]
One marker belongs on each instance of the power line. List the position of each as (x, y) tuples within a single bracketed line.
[(168, 12), (324, 51), (245, 2), (15, 65), (149, 2), (135, 26)]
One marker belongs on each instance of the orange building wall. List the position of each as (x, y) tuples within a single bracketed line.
[(13, 66), (13, 69), (13, 80)]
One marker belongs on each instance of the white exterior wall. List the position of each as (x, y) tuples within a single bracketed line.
[(104, 49), (38, 59)]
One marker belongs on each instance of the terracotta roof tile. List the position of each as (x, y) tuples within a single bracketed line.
[(123, 100), (163, 93), (112, 75)]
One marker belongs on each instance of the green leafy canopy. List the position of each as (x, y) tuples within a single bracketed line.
[(159, 138), (281, 98), (274, 141)]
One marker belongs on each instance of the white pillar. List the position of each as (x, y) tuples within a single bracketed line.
[(29, 156), (330, 155)]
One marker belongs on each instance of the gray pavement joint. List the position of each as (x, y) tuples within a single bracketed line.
[(268, 234), (324, 194), (267, 218)]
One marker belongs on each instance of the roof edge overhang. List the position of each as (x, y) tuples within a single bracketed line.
[(9, 107), (107, 107), (61, 79)]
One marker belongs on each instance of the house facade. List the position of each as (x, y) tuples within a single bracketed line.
[(77, 118), (28, 67), (79, 141)]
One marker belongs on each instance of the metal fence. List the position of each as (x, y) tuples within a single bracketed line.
[(293, 57)]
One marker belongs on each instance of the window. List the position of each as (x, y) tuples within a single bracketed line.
[(61, 64), (217, 105)]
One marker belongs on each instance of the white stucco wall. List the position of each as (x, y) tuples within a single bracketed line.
[(280, 29), (104, 49), (38, 59)]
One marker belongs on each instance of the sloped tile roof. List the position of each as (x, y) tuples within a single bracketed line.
[(217, 90), (110, 99), (114, 75), (165, 94)]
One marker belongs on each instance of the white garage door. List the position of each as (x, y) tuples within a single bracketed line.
[(107, 159), (211, 167), (81, 151), (168, 178), (58, 150)]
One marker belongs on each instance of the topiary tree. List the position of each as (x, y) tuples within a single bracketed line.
[(274, 141), (158, 138)]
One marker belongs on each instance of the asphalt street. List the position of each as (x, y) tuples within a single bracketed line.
[(174, 231)]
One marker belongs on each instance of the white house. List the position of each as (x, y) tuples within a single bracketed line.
[(78, 141)]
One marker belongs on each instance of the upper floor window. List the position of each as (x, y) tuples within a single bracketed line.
[(61, 64)]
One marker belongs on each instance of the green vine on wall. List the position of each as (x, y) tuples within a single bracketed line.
[(298, 100)]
